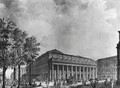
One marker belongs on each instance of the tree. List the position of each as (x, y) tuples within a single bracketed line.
[(31, 48), (19, 37), (6, 27)]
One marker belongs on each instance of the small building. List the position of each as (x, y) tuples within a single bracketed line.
[(22, 71), (56, 66), (107, 68)]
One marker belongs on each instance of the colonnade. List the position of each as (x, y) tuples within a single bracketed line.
[(78, 72)]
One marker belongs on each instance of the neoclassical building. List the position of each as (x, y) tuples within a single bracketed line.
[(55, 65), (107, 68)]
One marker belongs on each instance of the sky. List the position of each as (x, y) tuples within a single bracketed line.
[(87, 28)]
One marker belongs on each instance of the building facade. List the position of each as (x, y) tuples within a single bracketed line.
[(22, 72), (55, 65), (118, 61), (107, 68)]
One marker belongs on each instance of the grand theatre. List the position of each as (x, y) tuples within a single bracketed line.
[(55, 65)]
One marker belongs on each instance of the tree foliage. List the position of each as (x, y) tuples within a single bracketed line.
[(19, 37), (6, 27), (6, 42), (31, 48), (15, 45)]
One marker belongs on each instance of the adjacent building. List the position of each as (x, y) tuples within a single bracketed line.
[(22, 72), (55, 65), (107, 68)]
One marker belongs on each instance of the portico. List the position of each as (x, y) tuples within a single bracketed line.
[(61, 71)]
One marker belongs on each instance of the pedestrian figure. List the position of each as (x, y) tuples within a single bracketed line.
[(107, 83), (92, 83), (112, 83)]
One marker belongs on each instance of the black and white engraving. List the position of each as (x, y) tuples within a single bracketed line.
[(59, 44)]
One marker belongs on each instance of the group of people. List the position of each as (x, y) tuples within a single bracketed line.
[(108, 83)]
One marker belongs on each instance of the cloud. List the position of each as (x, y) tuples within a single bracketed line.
[(82, 27), (81, 31)]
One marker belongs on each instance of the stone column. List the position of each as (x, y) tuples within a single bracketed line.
[(76, 72), (83, 72), (72, 70), (95, 72), (60, 72), (90, 73), (63, 72), (87, 72), (80, 71), (67, 70), (55, 66), (52, 72), (57, 72)]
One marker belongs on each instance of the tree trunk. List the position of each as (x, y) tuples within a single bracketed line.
[(29, 74), (18, 76), (4, 70), (14, 74)]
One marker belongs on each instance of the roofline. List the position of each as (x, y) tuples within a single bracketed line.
[(107, 57), (68, 55), (75, 56), (47, 52)]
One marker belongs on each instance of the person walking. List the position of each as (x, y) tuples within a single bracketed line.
[(112, 83)]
